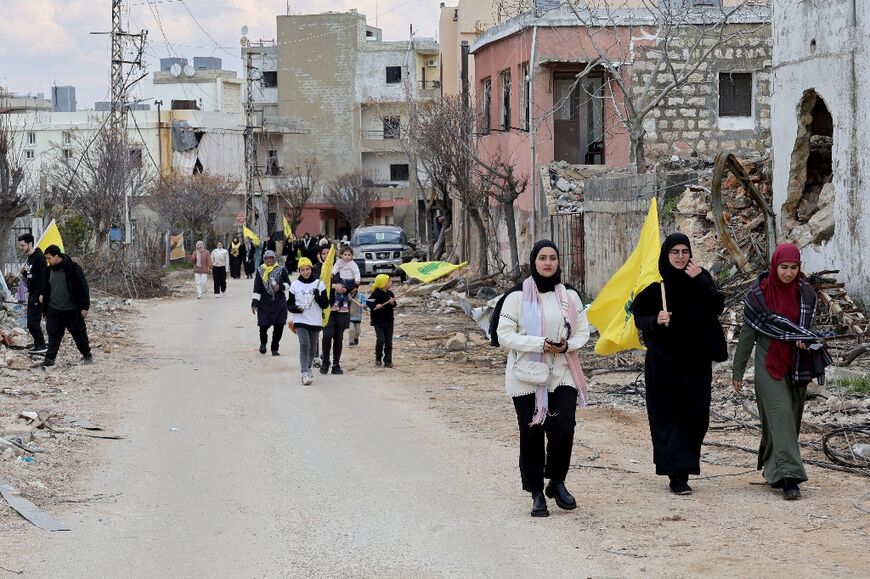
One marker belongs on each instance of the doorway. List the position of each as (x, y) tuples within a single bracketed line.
[(578, 119)]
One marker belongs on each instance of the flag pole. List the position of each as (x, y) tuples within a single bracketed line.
[(664, 299)]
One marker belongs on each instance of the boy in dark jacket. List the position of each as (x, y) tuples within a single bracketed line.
[(33, 273), (381, 303), (66, 300)]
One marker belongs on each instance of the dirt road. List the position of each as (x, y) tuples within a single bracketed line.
[(231, 468)]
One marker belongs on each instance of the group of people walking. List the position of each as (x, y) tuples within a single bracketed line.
[(542, 323), (58, 292)]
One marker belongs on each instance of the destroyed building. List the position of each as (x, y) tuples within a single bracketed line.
[(820, 135)]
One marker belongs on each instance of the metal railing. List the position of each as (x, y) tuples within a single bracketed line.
[(429, 84)]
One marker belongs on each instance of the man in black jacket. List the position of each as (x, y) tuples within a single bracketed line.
[(33, 273), (66, 300)]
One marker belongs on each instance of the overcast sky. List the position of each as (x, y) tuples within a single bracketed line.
[(47, 42)]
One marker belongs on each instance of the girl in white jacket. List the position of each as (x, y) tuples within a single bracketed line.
[(543, 324)]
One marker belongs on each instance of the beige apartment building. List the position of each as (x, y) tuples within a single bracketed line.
[(344, 88)]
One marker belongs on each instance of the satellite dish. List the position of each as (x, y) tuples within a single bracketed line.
[(189, 70), (175, 70), (244, 30)]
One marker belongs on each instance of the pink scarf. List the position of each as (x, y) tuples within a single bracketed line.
[(533, 324)]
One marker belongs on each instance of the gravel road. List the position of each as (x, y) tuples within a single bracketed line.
[(232, 468)]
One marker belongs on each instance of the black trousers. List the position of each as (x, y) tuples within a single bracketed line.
[(235, 267), (56, 322), (384, 343), (277, 332), (34, 320), (333, 338), (219, 275), (552, 462)]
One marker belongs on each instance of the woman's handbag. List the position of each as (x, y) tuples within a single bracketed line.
[(531, 372)]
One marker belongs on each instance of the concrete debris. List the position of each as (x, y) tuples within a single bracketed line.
[(457, 343), (563, 184)]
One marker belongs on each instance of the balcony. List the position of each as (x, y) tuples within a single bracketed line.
[(379, 141), (429, 89)]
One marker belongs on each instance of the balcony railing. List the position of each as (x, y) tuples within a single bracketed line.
[(380, 134), (429, 84)]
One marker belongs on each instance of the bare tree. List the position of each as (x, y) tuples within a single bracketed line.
[(13, 201), (100, 179), (296, 186), (353, 195), (673, 38), (504, 186), (191, 202)]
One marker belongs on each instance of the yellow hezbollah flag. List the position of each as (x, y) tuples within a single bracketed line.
[(255, 239), (51, 236), (611, 310), (288, 232), (429, 271), (326, 278)]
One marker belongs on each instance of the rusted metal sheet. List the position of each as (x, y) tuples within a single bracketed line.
[(726, 162)]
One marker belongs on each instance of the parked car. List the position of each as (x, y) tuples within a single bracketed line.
[(381, 249)]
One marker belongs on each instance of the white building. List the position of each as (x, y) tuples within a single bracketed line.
[(821, 134)]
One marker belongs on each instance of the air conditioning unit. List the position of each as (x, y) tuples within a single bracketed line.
[(432, 62)]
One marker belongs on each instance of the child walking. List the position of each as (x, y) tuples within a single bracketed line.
[(306, 301), (348, 272), (382, 302), (357, 304)]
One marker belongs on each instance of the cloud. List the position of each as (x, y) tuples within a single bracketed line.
[(48, 41)]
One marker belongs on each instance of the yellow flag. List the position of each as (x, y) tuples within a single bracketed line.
[(611, 310), (51, 236), (255, 239), (326, 278), (429, 271), (288, 232)]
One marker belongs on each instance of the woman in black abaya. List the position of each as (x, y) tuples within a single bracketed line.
[(682, 342)]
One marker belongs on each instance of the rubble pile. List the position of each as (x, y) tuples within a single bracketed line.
[(563, 184)]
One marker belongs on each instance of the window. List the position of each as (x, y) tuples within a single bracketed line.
[(270, 79), (505, 123), (272, 167), (525, 105), (391, 127), (67, 154), (29, 154), (487, 105), (66, 138), (394, 74), (735, 94), (136, 157), (399, 172), (31, 138)]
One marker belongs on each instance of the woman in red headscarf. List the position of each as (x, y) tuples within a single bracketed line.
[(777, 317)]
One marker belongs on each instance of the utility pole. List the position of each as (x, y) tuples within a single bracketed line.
[(118, 104), (250, 149), (466, 140)]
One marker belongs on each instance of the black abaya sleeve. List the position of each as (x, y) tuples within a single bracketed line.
[(710, 294), (646, 307)]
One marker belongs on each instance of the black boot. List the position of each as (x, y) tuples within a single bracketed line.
[(680, 485), (557, 491), (790, 489), (539, 505), (263, 348)]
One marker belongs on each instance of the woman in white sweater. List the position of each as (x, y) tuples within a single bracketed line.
[(543, 324)]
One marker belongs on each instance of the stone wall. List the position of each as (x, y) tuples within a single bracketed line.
[(687, 121)]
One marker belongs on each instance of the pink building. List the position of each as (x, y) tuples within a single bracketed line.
[(573, 121)]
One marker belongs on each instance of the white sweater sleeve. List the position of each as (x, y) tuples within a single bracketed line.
[(357, 277), (510, 334), (580, 334)]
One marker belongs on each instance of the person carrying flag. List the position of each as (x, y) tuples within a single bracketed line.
[(678, 317)]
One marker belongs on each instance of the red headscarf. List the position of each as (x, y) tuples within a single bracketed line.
[(783, 299)]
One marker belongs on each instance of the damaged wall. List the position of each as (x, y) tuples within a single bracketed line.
[(819, 53), (688, 121)]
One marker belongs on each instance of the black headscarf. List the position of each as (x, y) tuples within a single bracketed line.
[(678, 285), (544, 285)]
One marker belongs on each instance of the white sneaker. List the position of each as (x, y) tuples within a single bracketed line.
[(199, 297), (306, 379)]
